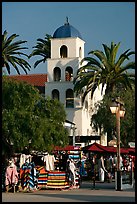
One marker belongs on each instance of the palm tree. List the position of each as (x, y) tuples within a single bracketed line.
[(11, 51), (43, 49), (103, 68)]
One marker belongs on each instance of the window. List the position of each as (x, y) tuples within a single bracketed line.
[(80, 52), (69, 74), (55, 94), (69, 98), (57, 74), (63, 51)]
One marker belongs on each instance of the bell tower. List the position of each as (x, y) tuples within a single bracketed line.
[(67, 50)]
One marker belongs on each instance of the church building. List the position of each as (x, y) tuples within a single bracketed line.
[(67, 51)]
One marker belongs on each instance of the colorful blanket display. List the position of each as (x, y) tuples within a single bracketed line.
[(28, 176), (75, 155), (54, 179), (35, 177), (57, 179), (42, 177), (77, 179)]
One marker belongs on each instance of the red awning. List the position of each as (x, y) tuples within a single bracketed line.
[(131, 150), (114, 150), (57, 148), (95, 147), (71, 147), (67, 148)]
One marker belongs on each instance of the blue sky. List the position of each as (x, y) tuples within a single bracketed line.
[(98, 22)]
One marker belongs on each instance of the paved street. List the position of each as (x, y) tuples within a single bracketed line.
[(103, 192)]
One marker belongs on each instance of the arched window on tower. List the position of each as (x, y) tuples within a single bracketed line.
[(80, 52), (63, 51), (69, 98), (69, 74), (55, 94), (57, 74)]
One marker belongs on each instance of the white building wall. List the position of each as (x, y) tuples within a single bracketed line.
[(61, 87), (80, 115), (73, 45), (62, 64), (86, 128), (75, 115)]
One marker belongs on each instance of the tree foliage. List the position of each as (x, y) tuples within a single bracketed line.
[(27, 116), (104, 68), (11, 52), (106, 121), (43, 49), (128, 122)]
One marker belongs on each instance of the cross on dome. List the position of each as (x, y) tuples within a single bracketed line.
[(66, 21)]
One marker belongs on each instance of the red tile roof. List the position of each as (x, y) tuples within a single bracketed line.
[(33, 79)]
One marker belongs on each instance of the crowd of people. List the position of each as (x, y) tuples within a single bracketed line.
[(103, 167)]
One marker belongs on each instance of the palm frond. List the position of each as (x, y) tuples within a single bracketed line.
[(114, 53), (42, 48), (12, 49), (37, 62), (104, 70)]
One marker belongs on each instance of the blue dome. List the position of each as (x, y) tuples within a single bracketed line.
[(66, 31)]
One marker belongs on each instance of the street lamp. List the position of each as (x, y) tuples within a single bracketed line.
[(117, 107)]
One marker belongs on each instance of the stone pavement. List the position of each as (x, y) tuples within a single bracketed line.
[(103, 192)]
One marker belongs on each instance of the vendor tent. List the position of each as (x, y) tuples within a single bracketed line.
[(131, 150), (67, 148), (95, 147), (114, 150)]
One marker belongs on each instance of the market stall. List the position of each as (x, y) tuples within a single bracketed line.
[(41, 170), (42, 177), (57, 180), (110, 157), (95, 147), (50, 175), (51, 179), (67, 153)]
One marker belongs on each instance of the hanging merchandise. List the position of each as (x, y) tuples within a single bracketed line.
[(57, 180), (28, 176), (42, 177), (11, 177), (48, 162)]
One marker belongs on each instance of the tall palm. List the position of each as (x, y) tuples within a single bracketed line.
[(10, 52), (103, 68), (42, 49)]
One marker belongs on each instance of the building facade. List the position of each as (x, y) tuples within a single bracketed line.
[(67, 51)]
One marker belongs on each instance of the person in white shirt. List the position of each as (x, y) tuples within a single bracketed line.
[(102, 169), (72, 169)]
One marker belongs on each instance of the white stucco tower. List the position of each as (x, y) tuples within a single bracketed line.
[(67, 50)]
